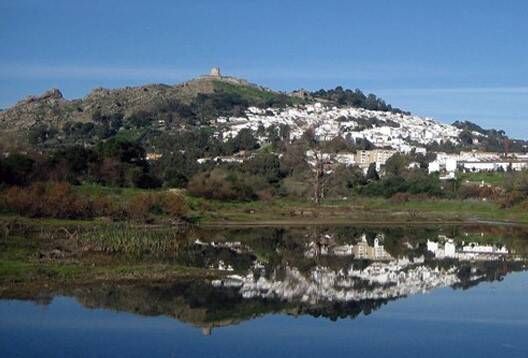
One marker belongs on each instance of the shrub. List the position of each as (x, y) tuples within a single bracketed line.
[(426, 184), (54, 199), (386, 187), (415, 183), (479, 192), (224, 185), (60, 200), (265, 195), (400, 198), (343, 181), (147, 181), (173, 204), (295, 187), (104, 206), (142, 206), (511, 199), (17, 169), (264, 165)]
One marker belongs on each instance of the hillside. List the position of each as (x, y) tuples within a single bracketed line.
[(50, 119), (227, 105)]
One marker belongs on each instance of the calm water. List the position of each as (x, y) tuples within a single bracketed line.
[(299, 294)]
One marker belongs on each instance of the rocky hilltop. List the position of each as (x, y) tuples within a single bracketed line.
[(52, 108)]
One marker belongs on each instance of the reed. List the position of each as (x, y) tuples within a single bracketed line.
[(136, 242)]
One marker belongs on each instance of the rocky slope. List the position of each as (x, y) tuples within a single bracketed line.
[(51, 108)]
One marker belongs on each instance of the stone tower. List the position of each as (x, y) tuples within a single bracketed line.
[(215, 72)]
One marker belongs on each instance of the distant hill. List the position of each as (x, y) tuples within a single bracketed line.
[(492, 139)]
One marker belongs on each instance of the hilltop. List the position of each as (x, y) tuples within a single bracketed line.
[(226, 105)]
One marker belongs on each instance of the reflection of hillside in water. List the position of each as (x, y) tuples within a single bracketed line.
[(323, 273)]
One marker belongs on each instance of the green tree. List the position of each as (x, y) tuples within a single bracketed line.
[(396, 165), (17, 169), (372, 173), (265, 165)]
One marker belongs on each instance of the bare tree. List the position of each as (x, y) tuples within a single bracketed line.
[(320, 161)]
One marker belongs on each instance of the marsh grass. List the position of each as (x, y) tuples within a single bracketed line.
[(136, 242)]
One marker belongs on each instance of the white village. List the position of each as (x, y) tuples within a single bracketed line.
[(388, 132)]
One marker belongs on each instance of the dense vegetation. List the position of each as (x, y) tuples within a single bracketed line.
[(355, 98), (474, 136), (43, 184)]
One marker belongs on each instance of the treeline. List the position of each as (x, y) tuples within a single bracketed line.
[(474, 136), (47, 184), (112, 163), (356, 98)]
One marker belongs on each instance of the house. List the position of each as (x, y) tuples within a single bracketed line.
[(475, 161), (447, 250), (378, 156), (362, 250), (444, 166), (153, 156)]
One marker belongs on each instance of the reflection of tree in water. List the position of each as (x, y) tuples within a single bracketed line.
[(485, 271), (342, 310), (198, 303)]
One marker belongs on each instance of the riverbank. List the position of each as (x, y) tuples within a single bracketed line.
[(354, 210), (357, 210)]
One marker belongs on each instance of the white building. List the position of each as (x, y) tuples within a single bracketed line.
[(474, 161), (492, 166)]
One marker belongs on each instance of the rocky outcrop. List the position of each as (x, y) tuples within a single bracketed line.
[(52, 109), (48, 107)]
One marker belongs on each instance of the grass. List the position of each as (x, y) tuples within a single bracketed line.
[(135, 242), (356, 209), (251, 94), (94, 189), (131, 135), (247, 92), (492, 178)]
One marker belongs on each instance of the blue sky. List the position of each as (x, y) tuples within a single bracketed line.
[(452, 60)]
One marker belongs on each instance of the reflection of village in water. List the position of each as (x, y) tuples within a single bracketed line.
[(371, 273)]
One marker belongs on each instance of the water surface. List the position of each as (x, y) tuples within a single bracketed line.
[(459, 292)]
